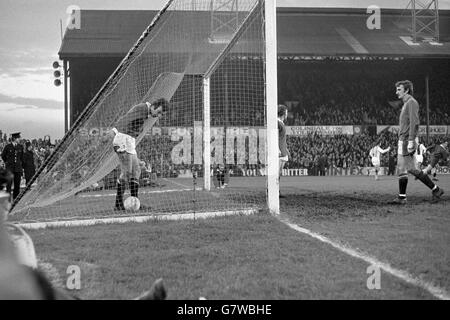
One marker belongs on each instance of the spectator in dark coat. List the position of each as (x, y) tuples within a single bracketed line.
[(323, 164), (28, 162), (12, 155)]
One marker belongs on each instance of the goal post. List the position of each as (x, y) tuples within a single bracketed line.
[(206, 134), (190, 102), (273, 181)]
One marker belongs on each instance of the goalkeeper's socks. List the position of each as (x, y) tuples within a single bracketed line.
[(426, 180)]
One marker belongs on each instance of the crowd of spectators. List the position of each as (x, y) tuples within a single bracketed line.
[(320, 153), (353, 93), (155, 151), (316, 93), (316, 152), (41, 147)]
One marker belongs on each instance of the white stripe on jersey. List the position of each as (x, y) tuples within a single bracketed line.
[(421, 150)]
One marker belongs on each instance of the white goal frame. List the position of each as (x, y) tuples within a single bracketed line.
[(272, 159), (273, 180), (272, 148)]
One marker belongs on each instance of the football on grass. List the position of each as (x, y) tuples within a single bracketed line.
[(132, 204)]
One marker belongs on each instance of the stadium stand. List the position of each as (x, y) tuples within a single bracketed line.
[(313, 152), (367, 94)]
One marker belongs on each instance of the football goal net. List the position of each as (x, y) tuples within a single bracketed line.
[(186, 124)]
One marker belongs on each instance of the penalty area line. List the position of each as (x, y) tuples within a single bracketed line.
[(437, 292)]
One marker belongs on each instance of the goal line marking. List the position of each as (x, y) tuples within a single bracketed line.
[(142, 192), (437, 292), (132, 219)]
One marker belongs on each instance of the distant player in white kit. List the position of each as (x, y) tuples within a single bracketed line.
[(375, 153), (418, 156)]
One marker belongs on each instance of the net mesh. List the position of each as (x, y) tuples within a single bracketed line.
[(130, 142)]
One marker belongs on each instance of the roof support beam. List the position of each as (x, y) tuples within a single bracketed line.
[(424, 20)]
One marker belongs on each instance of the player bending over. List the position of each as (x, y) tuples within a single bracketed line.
[(375, 153), (124, 144), (407, 143), (438, 153)]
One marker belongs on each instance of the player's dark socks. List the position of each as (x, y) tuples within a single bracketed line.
[(427, 181), (402, 184), (119, 196), (134, 188)]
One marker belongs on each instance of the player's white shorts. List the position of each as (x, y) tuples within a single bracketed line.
[(376, 162), (418, 159)]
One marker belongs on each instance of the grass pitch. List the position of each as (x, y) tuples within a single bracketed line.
[(354, 211), (257, 257)]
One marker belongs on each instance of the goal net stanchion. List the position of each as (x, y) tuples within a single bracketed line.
[(221, 115), (51, 160)]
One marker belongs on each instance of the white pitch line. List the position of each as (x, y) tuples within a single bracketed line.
[(136, 219), (437, 292), (142, 192)]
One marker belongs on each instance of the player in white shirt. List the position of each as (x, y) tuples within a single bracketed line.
[(418, 156), (140, 117), (375, 153)]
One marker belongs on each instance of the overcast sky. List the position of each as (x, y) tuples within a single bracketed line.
[(30, 39)]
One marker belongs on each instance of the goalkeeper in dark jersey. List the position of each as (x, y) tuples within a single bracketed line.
[(407, 144), (439, 153)]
